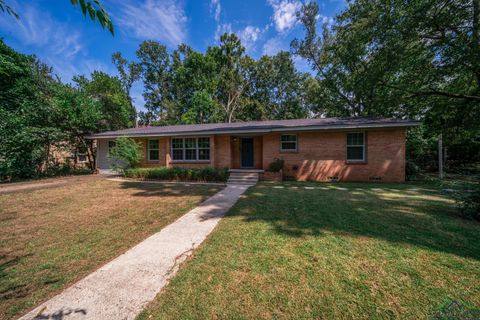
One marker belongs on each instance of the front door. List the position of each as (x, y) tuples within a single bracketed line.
[(246, 153)]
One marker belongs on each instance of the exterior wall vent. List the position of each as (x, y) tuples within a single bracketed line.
[(375, 178), (333, 178)]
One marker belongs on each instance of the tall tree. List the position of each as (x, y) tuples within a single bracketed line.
[(129, 72), (156, 64), (115, 107)]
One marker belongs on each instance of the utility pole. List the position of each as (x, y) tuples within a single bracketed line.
[(440, 156)]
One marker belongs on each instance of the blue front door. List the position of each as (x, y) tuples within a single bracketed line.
[(246, 153)]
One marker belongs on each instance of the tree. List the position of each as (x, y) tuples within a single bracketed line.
[(79, 116), (93, 8), (125, 154), (403, 59), (27, 119), (278, 89), (129, 73), (155, 64), (233, 71), (115, 107)]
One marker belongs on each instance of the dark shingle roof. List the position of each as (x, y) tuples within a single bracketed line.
[(260, 127)]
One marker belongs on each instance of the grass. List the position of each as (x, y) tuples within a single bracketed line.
[(52, 237), (330, 251)]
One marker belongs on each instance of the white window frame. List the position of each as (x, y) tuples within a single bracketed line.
[(197, 148), (150, 149), (282, 142), (364, 147)]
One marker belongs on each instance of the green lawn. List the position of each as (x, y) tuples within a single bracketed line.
[(52, 237), (324, 251)]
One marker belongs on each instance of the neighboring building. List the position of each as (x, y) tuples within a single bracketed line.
[(345, 149)]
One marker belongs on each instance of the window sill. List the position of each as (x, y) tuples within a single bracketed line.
[(288, 151), (190, 161), (356, 162)]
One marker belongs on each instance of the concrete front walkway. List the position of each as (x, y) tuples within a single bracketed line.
[(122, 288)]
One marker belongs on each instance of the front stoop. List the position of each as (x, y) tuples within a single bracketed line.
[(243, 177)]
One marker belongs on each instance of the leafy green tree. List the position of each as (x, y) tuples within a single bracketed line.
[(79, 116), (398, 59), (115, 106), (155, 63), (129, 72), (278, 89), (125, 154), (27, 120)]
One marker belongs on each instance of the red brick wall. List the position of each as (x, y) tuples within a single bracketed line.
[(145, 163), (320, 155), (323, 154), (222, 152)]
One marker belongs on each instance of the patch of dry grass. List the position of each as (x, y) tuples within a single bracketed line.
[(52, 237)]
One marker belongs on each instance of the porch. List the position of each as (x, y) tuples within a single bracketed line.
[(246, 152)]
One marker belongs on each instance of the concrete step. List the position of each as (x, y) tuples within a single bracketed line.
[(243, 181), (243, 175), (243, 178)]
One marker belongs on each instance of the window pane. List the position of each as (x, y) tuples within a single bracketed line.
[(177, 143), (154, 155), (190, 143), (177, 154), (153, 144), (204, 142), (355, 139), (204, 154), (191, 154), (355, 153), (289, 146), (289, 137)]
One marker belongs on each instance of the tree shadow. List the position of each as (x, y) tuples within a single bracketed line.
[(61, 314), (156, 189), (403, 214)]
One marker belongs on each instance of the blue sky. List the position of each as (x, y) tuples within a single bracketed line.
[(59, 35)]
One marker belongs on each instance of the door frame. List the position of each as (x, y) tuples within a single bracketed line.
[(253, 153)]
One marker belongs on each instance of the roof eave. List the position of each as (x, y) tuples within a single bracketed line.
[(252, 131)]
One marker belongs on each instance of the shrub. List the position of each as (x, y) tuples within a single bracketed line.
[(276, 165), (207, 174), (468, 202), (125, 154), (412, 170)]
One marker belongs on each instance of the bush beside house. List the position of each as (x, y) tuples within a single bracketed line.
[(207, 174)]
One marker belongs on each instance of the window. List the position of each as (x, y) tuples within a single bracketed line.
[(111, 145), (288, 142), (356, 146), (191, 149), (153, 150)]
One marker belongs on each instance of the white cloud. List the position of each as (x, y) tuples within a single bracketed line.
[(216, 9), (38, 28), (162, 20), (249, 36), (221, 29), (326, 19), (274, 45), (285, 13)]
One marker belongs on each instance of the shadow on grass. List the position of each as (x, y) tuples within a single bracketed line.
[(155, 189), (416, 215)]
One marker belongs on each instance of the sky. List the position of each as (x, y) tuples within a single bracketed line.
[(59, 35)]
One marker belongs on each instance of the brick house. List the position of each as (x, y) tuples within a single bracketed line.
[(325, 149)]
